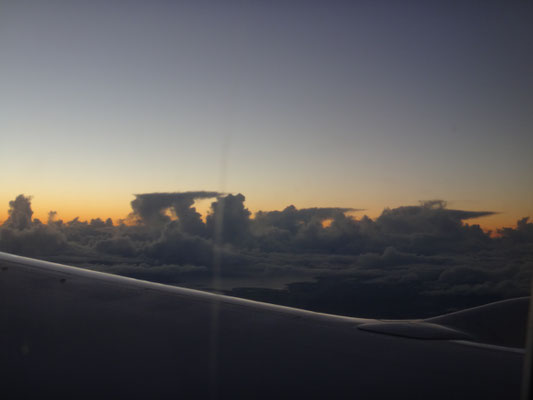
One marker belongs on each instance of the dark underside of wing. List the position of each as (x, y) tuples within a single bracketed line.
[(74, 333)]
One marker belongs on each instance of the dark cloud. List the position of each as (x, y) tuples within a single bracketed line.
[(291, 219), (20, 213), (430, 217), (120, 245), (150, 209), (229, 220), (37, 240), (392, 257), (98, 223), (523, 233), (175, 246), (303, 230), (20, 235), (424, 258)]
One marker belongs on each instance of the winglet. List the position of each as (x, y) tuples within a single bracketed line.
[(415, 330)]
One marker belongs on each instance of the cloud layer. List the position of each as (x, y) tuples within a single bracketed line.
[(411, 260)]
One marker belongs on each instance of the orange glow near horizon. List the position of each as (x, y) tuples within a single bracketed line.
[(117, 207), (490, 223), (326, 223)]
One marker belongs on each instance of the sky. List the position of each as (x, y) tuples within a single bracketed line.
[(363, 104)]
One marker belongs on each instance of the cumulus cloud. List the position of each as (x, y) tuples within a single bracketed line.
[(229, 220), (20, 213), (523, 233), (430, 217), (37, 240), (291, 219), (408, 256), (149, 208), (392, 257)]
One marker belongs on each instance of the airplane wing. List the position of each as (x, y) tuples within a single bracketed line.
[(70, 332)]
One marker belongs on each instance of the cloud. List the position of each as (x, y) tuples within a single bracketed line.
[(174, 246), (149, 209), (291, 219), (20, 213), (411, 254), (392, 257), (523, 233), (37, 240), (229, 220), (121, 245), (430, 217)]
